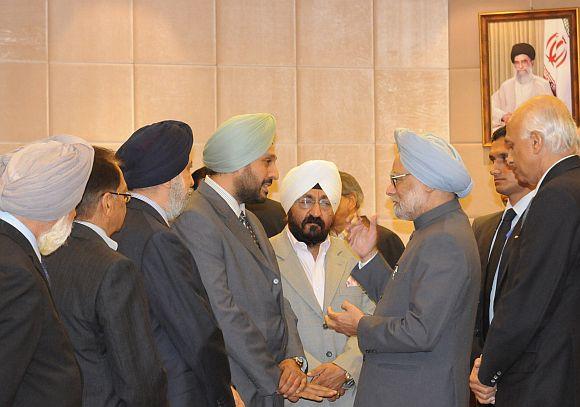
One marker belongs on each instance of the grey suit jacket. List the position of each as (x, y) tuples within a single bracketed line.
[(417, 343), (323, 345), (245, 291), (102, 302)]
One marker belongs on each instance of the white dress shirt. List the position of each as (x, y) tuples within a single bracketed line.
[(314, 268), (238, 208), (21, 227), (151, 202), (99, 231)]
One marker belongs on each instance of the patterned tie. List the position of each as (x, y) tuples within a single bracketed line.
[(244, 220), (45, 272), (493, 262)]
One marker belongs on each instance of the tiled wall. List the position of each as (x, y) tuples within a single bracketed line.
[(339, 75)]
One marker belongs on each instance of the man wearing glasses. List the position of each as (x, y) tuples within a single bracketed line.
[(100, 297), (315, 269), (417, 343)]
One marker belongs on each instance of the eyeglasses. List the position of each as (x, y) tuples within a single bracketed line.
[(395, 178), (308, 203), (126, 196)]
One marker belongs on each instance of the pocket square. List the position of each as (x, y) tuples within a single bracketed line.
[(351, 282)]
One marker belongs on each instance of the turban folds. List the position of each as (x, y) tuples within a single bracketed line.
[(433, 161), (239, 141), (303, 178), (45, 180), (156, 153), (523, 48)]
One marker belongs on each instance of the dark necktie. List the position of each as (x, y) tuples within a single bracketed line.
[(244, 221), (493, 262), (45, 272)]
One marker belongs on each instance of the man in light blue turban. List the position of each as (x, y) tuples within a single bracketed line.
[(425, 314), (238, 266)]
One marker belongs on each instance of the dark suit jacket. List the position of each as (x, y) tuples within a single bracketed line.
[(245, 289), (189, 340), (37, 363), (389, 245), (484, 229), (271, 216), (532, 350), (101, 300)]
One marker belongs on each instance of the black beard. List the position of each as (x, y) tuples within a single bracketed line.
[(246, 191), (313, 236)]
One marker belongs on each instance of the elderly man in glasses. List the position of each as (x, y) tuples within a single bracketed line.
[(315, 269), (417, 343)]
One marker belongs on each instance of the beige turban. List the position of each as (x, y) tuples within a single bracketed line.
[(46, 179), (303, 178)]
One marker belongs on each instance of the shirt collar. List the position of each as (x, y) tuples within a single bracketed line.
[(152, 203), (297, 245), (21, 227), (521, 206), (553, 165), (435, 213), (99, 231), (230, 200)]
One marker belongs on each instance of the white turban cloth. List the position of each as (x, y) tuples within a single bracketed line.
[(45, 180), (433, 161), (303, 178)]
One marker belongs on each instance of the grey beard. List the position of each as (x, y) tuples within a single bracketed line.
[(55, 237), (178, 197)]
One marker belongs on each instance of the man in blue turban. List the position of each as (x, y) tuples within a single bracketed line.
[(417, 342), (239, 268)]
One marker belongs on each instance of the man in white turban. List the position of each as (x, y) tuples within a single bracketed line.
[(315, 275), (238, 266), (40, 185), (418, 341)]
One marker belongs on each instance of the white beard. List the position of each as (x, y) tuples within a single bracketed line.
[(178, 197), (55, 237), (409, 208)]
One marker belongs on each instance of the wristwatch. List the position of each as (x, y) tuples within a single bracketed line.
[(301, 362), (348, 382)]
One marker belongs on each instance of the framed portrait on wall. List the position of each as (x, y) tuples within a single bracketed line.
[(525, 54)]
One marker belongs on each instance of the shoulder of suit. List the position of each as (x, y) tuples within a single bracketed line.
[(484, 219)]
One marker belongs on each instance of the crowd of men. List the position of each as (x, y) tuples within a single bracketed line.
[(122, 286)]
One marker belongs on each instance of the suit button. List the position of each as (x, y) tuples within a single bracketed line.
[(275, 281), (325, 326), (499, 373), (492, 381), (329, 354), (495, 377)]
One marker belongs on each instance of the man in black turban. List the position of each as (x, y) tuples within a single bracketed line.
[(521, 87), (157, 167)]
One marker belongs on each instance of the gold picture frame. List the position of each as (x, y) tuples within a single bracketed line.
[(553, 34)]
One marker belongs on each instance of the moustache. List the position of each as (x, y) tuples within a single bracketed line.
[(267, 182), (313, 219)]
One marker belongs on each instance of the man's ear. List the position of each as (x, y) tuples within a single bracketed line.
[(106, 203), (538, 142)]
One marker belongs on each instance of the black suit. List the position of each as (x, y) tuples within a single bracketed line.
[(101, 300), (189, 340), (37, 363), (389, 245), (271, 216), (532, 350)]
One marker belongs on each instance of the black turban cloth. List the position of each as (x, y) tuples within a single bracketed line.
[(156, 153), (523, 48)]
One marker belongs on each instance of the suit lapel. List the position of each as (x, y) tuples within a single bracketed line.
[(234, 225), (294, 273), (335, 267), (140, 205), (560, 168)]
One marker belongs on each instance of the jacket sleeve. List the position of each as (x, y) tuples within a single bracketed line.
[(440, 280), (540, 279), (294, 347), (122, 311), (21, 318), (244, 341), (181, 305), (373, 277)]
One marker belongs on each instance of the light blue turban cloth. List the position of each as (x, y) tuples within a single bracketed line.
[(433, 161), (239, 141)]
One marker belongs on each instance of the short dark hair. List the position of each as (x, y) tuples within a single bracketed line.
[(499, 133), (198, 175), (105, 177), (351, 186)]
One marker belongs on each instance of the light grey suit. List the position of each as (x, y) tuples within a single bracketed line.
[(245, 291), (323, 345), (417, 344)]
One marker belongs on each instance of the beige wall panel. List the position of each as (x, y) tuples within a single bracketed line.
[(90, 31), (23, 30), (385, 155), (174, 32), (483, 199), (465, 106), (259, 89), (335, 33), (420, 44), (287, 159), (416, 99), (356, 159), (92, 101), (335, 106), (23, 107), (464, 27), (539, 4), (255, 32), (177, 92), (403, 228), (197, 155)]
